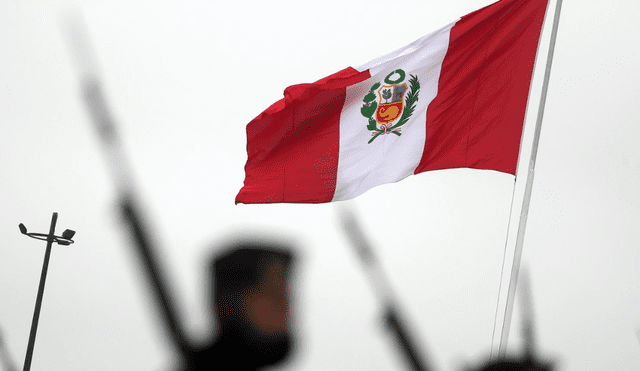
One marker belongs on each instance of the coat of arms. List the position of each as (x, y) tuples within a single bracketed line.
[(387, 106)]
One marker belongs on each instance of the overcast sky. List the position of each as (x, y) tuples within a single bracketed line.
[(183, 78)]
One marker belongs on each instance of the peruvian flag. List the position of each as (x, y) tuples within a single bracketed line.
[(455, 98)]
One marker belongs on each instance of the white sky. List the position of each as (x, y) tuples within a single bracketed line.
[(183, 78)]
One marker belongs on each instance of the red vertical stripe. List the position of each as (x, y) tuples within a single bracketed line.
[(293, 146), (476, 119)]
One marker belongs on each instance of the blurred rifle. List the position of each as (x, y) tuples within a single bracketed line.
[(392, 317), (104, 122), (528, 362)]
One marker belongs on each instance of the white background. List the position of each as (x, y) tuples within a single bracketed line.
[(183, 78)]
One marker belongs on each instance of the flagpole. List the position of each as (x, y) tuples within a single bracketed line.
[(506, 324)]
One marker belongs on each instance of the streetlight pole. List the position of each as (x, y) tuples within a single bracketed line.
[(65, 239), (43, 278)]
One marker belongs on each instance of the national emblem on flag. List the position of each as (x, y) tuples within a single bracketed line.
[(388, 104)]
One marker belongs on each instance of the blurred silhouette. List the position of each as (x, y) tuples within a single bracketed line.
[(250, 301), (515, 365), (249, 295)]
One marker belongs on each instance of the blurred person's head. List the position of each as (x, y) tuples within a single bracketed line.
[(250, 298)]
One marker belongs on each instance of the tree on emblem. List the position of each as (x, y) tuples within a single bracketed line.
[(386, 94)]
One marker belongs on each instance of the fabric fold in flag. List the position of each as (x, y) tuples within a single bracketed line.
[(455, 98)]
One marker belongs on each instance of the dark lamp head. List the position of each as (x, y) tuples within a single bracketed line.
[(68, 234)]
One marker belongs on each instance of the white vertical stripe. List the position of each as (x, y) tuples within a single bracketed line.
[(389, 158)]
